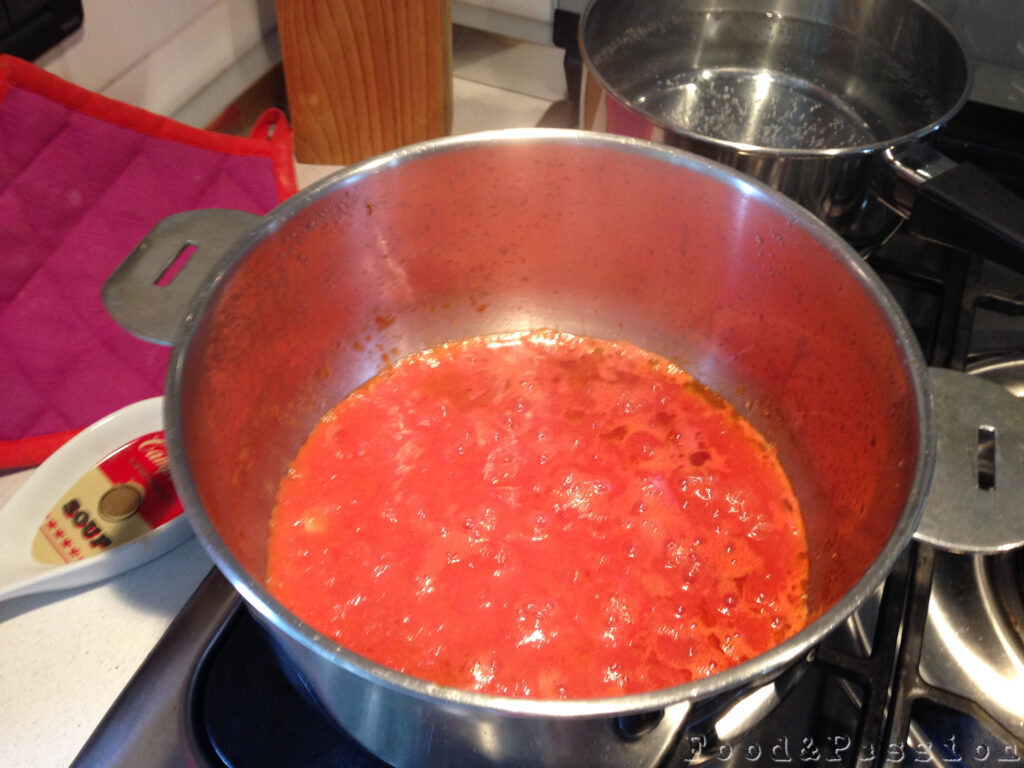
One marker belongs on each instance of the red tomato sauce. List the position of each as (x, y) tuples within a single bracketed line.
[(543, 515)]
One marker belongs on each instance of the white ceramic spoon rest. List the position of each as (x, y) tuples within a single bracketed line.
[(70, 524)]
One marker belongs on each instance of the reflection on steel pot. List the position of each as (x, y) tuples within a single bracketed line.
[(586, 233), (827, 102)]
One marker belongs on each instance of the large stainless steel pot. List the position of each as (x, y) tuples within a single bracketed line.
[(587, 233), (830, 103)]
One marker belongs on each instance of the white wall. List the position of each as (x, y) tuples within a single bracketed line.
[(158, 55), (993, 32)]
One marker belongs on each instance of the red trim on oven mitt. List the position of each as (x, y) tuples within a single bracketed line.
[(82, 179)]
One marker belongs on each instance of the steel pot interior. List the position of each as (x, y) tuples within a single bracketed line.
[(580, 232), (804, 77)]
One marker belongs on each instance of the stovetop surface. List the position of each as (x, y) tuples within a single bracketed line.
[(279, 725), (276, 721), (237, 704)]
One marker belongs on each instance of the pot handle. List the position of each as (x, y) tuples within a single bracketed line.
[(979, 465), (959, 205), (150, 291)]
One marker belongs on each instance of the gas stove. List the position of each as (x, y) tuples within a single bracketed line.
[(931, 672)]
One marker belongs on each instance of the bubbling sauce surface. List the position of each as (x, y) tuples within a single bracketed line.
[(539, 514)]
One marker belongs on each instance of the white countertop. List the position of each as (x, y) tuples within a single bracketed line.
[(66, 655)]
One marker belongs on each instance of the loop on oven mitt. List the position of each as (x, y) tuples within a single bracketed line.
[(82, 179)]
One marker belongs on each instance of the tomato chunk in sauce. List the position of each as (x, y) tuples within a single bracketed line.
[(540, 514)]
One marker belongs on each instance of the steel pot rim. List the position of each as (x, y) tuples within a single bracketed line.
[(756, 150), (760, 667)]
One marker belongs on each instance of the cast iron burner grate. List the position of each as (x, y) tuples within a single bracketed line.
[(933, 725)]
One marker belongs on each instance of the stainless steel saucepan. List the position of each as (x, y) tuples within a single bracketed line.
[(831, 103), (583, 232)]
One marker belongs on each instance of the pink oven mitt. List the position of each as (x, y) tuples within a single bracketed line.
[(82, 179)]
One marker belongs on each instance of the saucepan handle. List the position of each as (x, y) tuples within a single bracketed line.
[(959, 205), (150, 292)]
